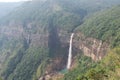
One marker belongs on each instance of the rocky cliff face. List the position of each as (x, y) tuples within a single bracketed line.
[(44, 32), (58, 42), (91, 47)]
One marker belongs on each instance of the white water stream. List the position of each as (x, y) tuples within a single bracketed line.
[(70, 52)]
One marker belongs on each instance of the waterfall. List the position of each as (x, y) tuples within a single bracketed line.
[(98, 50), (70, 52)]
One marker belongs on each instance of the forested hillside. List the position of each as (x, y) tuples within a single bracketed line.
[(104, 26), (34, 40), (106, 69), (6, 8)]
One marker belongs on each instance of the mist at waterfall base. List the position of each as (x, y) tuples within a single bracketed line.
[(69, 56)]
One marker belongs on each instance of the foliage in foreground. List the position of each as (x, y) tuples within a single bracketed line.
[(107, 69)]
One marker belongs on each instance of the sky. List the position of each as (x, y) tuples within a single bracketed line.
[(12, 0)]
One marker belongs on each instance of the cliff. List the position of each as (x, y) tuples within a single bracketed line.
[(91, 47), (38, 41)]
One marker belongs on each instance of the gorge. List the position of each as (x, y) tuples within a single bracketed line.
[(61, 40)]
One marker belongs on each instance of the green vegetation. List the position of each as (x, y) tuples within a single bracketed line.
[(107, 69), (68, 14), (28, 64), (84, 64), (44, 23), (16, 59), (63, 16), (104, 25)]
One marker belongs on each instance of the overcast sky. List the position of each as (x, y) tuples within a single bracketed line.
[(12, 0)]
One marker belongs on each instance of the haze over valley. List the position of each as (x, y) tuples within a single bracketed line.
[(60, 40)]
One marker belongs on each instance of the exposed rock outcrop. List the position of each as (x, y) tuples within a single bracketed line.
[(94, 48)]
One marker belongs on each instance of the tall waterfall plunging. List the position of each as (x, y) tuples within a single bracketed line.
[(70, 52)]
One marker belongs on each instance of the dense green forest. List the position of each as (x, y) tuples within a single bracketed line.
[(34, 39), (104, 25), (106, 69)]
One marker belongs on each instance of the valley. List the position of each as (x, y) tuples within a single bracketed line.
[(61, 40)]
